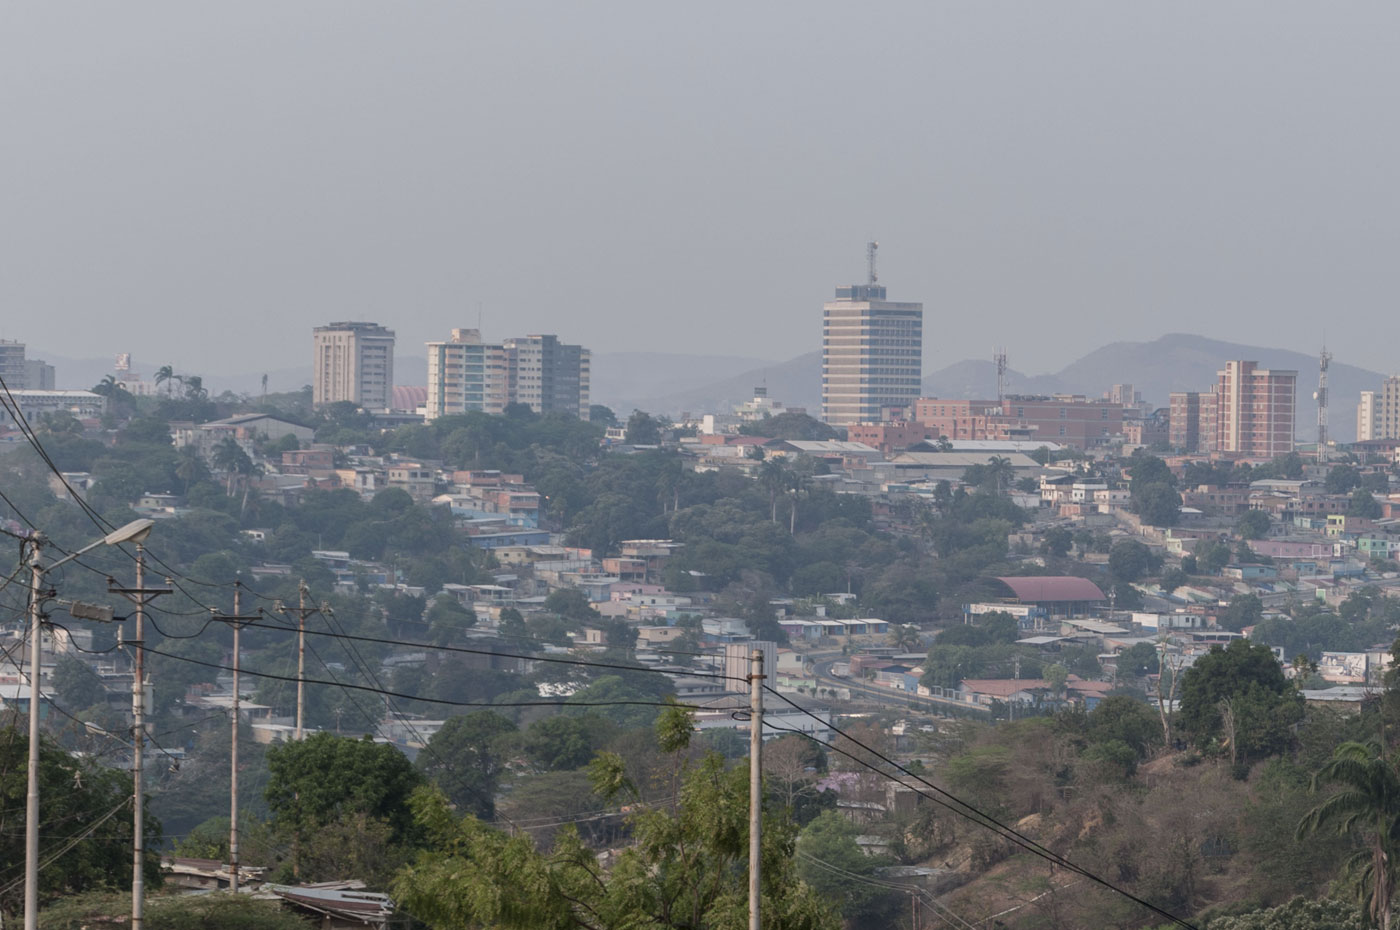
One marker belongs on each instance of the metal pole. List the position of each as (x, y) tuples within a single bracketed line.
[(755, 785), (301, 656), (138, 733), (31, 822), (233, 768)]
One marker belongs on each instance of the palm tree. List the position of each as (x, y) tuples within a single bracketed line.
[(999, 471), (230, 459), (1370, 803), (797, 483), (165, 375), (772, 474), (905, 637), (189, 466)]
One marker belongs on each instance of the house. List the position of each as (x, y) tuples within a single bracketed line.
[(245, 429)]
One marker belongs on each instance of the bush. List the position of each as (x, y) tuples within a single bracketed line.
[(182, 912)]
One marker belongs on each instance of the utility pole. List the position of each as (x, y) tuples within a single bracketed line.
[(140, 596), (755, 785), (302, 612), (31, 817), (236, 620), (136, 530)]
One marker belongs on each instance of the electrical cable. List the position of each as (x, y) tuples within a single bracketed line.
[(968, 811), (413, 697), (505, 655)]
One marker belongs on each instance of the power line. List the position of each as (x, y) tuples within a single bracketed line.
[(969, 811), (413, 697)]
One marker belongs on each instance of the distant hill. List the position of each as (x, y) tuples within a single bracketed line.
[(627, 381), (795, 382)]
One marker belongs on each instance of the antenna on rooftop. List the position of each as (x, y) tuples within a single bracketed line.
[(1323, 360), (870, 248), (999, 356)]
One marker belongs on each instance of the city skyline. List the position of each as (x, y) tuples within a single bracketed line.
[(1009, 180)]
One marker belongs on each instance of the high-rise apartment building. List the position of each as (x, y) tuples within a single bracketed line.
[(1191, 418), (354, 362), (1255, 410), (1378, 414), (872, 355), (548, 375), (464, 374)]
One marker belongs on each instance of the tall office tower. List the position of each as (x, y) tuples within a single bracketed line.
[(1378, 414), (354, 362), (464, 374), (548, 375), (872, 354), (1255, 410)]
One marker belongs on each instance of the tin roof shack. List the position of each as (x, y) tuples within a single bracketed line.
[(336, 905)]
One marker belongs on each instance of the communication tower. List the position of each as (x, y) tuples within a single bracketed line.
[(1323, 360)]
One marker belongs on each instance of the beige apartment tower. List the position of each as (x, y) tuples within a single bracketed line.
[(1378, 413), (872, 355), (354, 362)]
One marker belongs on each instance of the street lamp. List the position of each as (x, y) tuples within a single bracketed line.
[(135, 531)]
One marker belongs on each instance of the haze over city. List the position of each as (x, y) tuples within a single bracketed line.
[(190, 182)]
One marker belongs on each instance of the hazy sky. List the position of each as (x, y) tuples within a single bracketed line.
[(203, 182)]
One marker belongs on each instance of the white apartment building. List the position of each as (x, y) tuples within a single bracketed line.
[(1378, 413), (464, 374)]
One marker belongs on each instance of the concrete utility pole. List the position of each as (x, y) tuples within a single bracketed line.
[(302, 612), (755, 786), (31, 816), (140, 596), (135, 530), (236, 620)]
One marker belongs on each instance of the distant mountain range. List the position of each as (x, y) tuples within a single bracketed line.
[(674, 383)]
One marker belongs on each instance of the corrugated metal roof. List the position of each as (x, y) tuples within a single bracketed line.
[(1053, 588)]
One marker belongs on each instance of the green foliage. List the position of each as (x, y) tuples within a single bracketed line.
[(1363, 505), (76, 794), (78, 686), (834, 866), (1341, 479), (326, 779), (466, 759), (1253, 524), (1244, 610), (1298, 914), (1264, 704), (1368, 802), (169, 912), (685, 869), (1152, 490), (790, 426), (1138, 660), (643, 429), (1212, 556), (1130, 560)]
